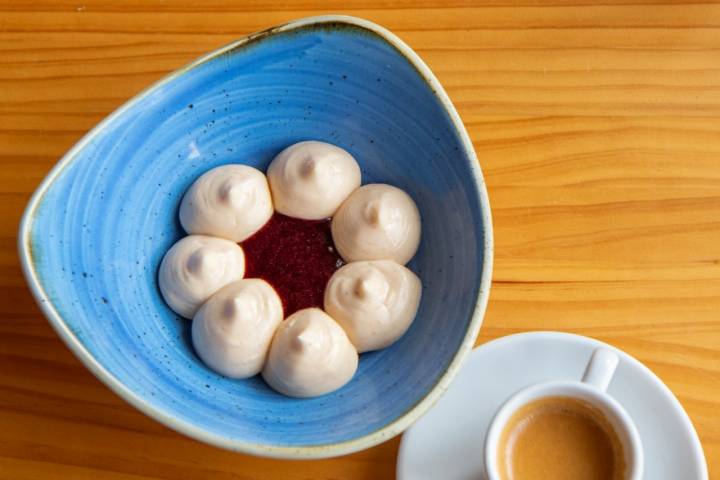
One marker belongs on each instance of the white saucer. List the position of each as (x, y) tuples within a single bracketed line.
[(447, 443)]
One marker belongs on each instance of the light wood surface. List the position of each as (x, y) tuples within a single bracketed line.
[(598, 130)]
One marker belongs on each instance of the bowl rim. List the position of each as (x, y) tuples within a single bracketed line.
[(391, 429)]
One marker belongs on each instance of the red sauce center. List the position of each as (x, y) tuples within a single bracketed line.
[(297, 257)]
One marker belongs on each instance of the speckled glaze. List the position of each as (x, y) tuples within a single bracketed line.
[(95, 231)]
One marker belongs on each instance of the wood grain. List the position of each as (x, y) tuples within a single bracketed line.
[(598, 129)]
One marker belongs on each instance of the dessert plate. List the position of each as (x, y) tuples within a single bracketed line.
[(448, 441)]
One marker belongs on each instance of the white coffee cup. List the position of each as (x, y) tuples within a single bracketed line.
[(591, 389)]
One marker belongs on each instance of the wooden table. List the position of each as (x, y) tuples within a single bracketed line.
[(598, 130)]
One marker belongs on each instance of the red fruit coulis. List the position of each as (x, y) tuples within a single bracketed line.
[(297, 257)]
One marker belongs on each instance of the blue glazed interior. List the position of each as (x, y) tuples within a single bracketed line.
[(107, 219)]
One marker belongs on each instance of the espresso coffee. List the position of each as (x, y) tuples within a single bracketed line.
[(560, 438)]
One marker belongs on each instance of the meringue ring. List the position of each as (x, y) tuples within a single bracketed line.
[(310, 180), (374, 301), (377, 222), (310, 355), (232, 331), (196, 267), (232, 202)]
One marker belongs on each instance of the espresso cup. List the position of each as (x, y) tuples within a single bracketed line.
[(591, 390)]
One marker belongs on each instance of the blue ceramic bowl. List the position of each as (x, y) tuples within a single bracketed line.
[(96, 229)]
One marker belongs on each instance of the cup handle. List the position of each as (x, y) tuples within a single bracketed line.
[(601, 368)]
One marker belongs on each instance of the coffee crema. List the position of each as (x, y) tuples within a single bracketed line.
[(561, 438)]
